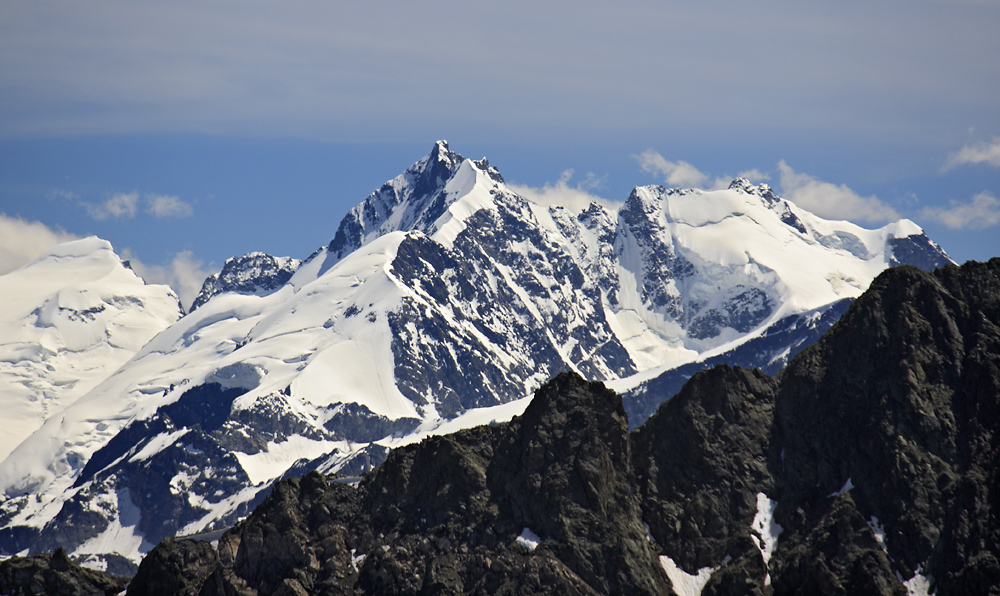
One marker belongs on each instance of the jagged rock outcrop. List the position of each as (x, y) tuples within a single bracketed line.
[(900, 403), (55, 575), (176, 567), (702, 459), (874, 452), (254, 273)]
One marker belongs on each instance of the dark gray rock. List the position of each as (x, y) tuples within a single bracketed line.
[(55, 575), (902, 397), (701, 460), (917, 250), (174, 568)]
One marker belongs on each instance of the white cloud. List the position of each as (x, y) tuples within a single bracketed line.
[(754, 175), (23, 241), (982, 211), (831, 201), (576, 198), (126, 205), (167, 206), (674, 173), (683, 174), (120, 206), (988, 153), (185, 274), (64, 194)]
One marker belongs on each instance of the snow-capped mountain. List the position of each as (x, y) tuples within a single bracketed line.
[(441, 297), (68, 320)]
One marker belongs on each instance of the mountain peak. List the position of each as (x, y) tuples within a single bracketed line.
[(442, 152), (414, 200), (742, 184)]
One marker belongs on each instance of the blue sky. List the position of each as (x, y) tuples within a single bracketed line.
[(188, 132)]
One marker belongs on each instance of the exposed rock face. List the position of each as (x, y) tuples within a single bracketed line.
[(902, 400), (701, 460), (254, 273), (174, 567), (55, 575), (877, 444)]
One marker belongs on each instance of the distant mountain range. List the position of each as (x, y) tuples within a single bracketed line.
[(442, 300)]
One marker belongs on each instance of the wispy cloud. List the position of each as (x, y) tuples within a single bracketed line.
[(120, 206), (63, 194), (167, 206), (23, 241), (981, 152), (683, 174), (124, 205), (674, 173), (980, 212), (185, 274), (831, 201), (577, 197), (754, 175)]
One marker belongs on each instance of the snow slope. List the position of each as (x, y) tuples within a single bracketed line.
[(68, 320)]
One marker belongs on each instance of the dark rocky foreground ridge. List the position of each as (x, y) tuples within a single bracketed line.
[(55, 575), (877, 450)]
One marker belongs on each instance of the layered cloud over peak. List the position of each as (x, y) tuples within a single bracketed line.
[(832, 201)]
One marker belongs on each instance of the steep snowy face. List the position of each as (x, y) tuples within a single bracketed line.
[(68, 320), (684, 271)]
